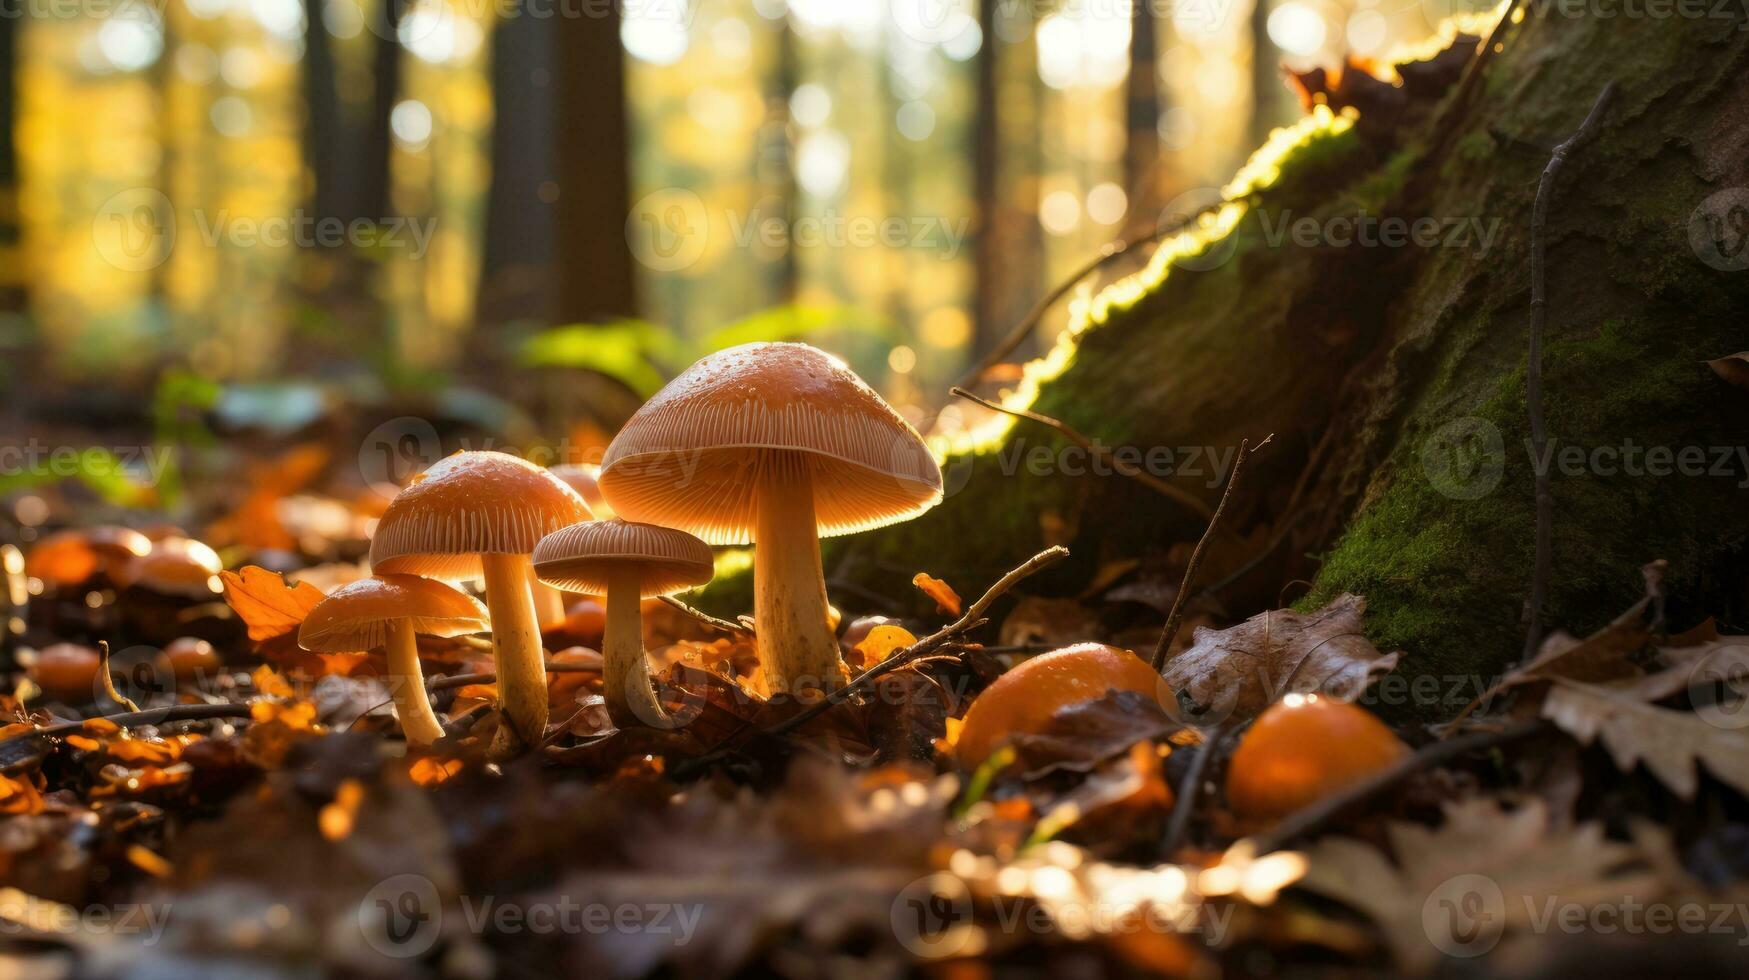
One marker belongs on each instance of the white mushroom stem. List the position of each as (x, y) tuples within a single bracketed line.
[(549, 604), (407, 683), (631, 697), (794, 634), (516, 647)]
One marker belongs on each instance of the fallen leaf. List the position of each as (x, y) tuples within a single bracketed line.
[(1484, 871), (1672, 744), (946, 599), (1733, 368), (272, 611), (1086, 733), (1238, 672), (882, 642), (266, 605)]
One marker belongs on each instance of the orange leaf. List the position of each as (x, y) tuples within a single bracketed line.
[(268, 606), (946, 599), (882, 642)]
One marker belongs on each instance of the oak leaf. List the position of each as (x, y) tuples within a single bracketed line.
[(1672, 744), (1238, 672)]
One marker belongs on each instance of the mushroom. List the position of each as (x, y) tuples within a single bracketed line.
[(584, 479), (626, 562), (777, 444), (388, 611), (480, 514)]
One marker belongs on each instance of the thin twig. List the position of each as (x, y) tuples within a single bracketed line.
[(1103, 453), (1175, 619), (463, 680), (1533, 388), (908, 657), (1188, 789), (970, 619), (1310, 818), (1028, 323), (720, 625), (108, 681), (130, 719)]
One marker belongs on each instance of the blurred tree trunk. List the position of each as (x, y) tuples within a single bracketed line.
[(1268, 95), (593, 270), (1392, 377), (12, 292), (518, 251), (375, 179), (325, 143), (776, 163), (1142, 112), (989, 325)]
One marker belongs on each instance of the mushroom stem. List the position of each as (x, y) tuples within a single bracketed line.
[(407, 683), (549, 604), (795, 640), (626, 684), (516, 647)]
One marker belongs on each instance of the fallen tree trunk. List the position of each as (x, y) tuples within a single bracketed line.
[(1392, 372)]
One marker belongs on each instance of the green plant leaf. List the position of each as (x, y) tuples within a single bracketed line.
[(622, 350)]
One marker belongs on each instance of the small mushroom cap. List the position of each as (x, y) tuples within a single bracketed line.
[(177, 566), (691, 456), (468, 505), (583, 557), (357, 616)]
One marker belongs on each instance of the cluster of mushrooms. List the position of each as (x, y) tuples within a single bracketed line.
[(773, 444)]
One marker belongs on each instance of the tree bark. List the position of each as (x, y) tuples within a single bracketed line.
[(514, 276), (1392, 375), (593, 268)]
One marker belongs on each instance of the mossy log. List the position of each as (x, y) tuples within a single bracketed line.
[(1393, 378)]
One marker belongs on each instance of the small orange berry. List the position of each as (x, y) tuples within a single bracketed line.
[(1302, 749), (1024, 699)]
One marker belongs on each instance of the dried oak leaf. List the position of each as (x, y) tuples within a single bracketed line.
[(1672, 744), (272, 611), (1084, 734), (946, 599), (1238, 672), (1484, 871), (1733, 368)]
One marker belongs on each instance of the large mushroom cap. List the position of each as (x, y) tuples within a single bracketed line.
[(583, 557), (357, 616), (471, 504), (691, 455)]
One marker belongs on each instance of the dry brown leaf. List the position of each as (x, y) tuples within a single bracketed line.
[(946, 599), (1484, 871), (1671, 743), (1733, 368), (1240, 671)]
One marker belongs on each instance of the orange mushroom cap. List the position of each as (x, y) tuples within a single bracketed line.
[(68, 671), (1024, 699), (584, 479), (467, 505), (178, 566), (357, 616), (1303, 748), (690, 456), (584, 557)]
